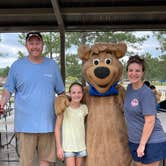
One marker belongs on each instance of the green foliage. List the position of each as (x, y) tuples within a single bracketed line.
[(4, 71), (0, 39), (1, 54), (51, 44), (20, 54), (90, 38), (73, 66), (77, 38), (161, 37), (162, 67), (155, 68), (151, 66), (69, 80), (21, 39)]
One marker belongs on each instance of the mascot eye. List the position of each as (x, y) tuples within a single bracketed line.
[(108, 61), (96, 61)]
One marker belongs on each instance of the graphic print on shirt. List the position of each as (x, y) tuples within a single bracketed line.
[(134, 102)]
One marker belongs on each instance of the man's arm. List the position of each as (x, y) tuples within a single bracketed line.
[(4, 99)]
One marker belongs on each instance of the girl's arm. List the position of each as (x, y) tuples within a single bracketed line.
[(58, 125), (147, 130)]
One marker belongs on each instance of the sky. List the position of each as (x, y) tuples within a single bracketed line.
[(9, 47), (149, 45)]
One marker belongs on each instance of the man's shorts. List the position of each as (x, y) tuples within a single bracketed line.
[(33, 143)]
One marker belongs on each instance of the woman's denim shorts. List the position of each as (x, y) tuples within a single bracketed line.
[(76, 154), (153, 152)]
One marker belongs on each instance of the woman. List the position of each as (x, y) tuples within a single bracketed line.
[(147, 140)]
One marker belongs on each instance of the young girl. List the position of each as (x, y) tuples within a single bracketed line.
[(73, 147), (147, 139)]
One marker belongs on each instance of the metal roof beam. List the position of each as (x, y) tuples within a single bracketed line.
[(26, 12), (81, 11), (42, 28), (114, 10), (72, 28), (58, 14)]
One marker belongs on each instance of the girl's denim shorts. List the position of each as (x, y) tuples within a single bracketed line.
[(153, 152), (76, 154)]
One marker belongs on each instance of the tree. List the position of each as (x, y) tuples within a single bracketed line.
[(51, 44), (161, 37), (73, 65), (4, 71), (89, 38), (152, 67), (162, 67)]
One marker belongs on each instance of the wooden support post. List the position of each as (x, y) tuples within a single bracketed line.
[(62, 55)]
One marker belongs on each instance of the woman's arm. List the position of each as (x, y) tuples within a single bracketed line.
[(147, 130), (58, 126)]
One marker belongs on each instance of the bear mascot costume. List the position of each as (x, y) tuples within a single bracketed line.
[(106, 132)]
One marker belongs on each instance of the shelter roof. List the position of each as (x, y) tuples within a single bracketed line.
[(82, 15)]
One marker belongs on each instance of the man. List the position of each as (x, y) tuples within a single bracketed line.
[(34, 79)]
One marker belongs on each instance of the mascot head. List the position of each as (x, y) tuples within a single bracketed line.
[(101, 66)]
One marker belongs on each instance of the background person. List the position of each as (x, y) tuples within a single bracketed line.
[(157, 93), (162, 106), (73, 147), (147, 83), (34, 79), (147, 140)]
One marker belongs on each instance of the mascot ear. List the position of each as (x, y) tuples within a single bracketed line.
[(120, 50), (84, 52)]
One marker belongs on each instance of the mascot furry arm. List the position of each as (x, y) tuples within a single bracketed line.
[(61, 102)]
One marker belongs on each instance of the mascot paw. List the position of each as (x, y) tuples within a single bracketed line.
[(61, 102)]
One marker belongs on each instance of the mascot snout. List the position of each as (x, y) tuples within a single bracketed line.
[(101, 72)]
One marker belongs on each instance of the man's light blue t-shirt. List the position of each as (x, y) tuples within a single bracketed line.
[(34, 86)]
